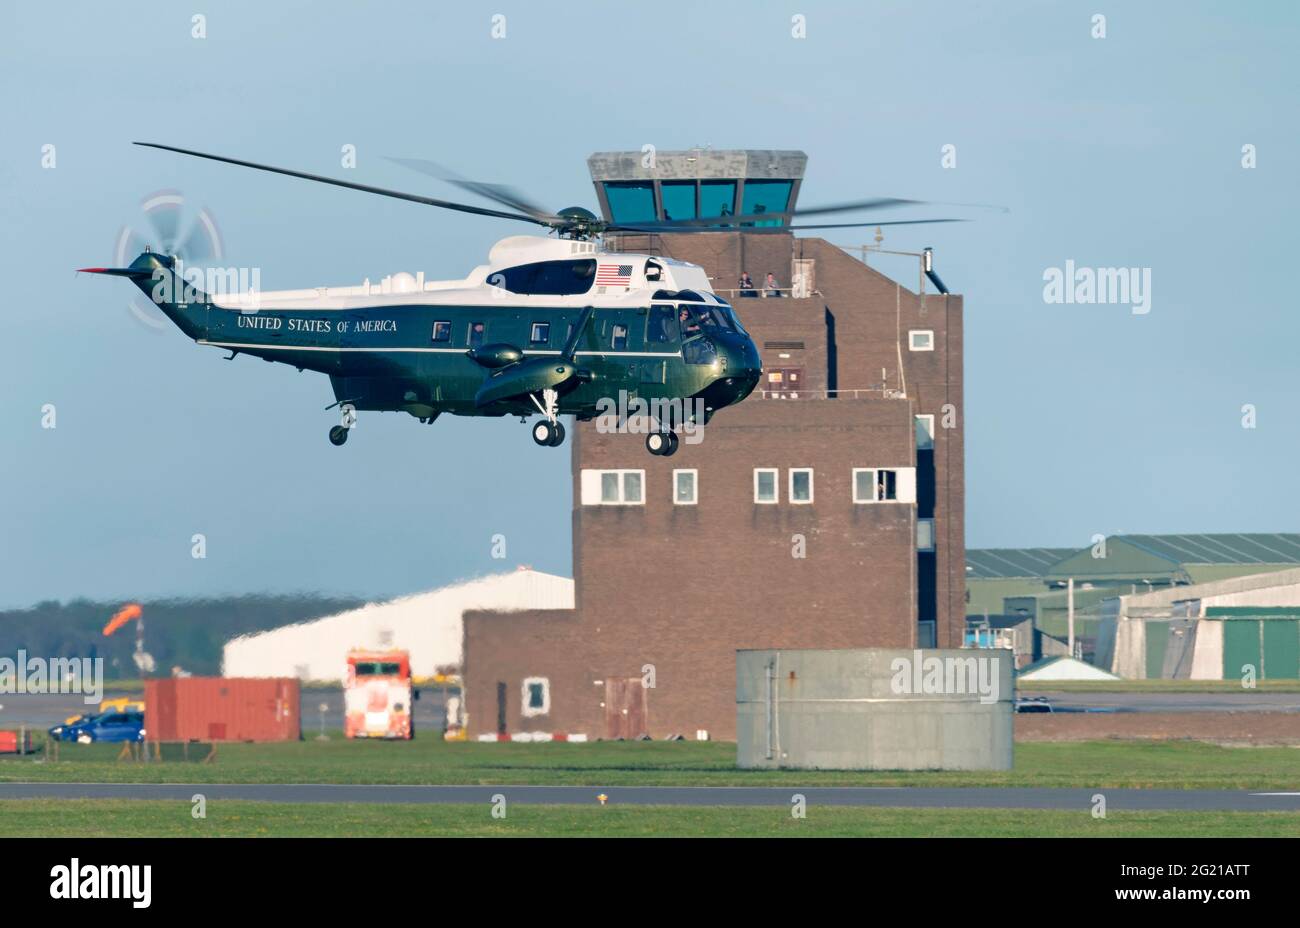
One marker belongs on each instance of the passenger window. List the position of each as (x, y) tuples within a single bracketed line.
[(442, 331), (541, 333), (476, 331), (619, 340), (661, 327)]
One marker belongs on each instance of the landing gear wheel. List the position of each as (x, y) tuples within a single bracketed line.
[(660, 443), (558, 438), (544, 433), (338, 435), (672, 445)]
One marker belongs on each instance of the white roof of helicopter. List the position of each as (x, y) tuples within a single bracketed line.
[(407, 289)]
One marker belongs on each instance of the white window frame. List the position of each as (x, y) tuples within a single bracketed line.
[(695, 486), (911, 339), (790, 486), (528, 711), (590, 486), (904, 485), (919, 523), (776, 485), (928, 418), (532, 333)]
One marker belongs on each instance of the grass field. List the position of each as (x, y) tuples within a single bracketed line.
[(125, 817), (1170, 764)]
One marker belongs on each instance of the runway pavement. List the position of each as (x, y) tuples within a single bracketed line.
[(1171, 702), (892, 797)]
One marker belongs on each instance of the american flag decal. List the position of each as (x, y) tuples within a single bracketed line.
[(614, 275)]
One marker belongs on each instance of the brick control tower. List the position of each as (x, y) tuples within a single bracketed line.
[(825, 511)]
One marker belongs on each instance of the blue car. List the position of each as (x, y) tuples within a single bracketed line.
[(64, 731), (108, 726)]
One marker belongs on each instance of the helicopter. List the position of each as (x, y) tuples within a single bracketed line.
[(550, 326)]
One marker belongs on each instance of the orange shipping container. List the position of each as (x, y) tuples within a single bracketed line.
[(222, 709)]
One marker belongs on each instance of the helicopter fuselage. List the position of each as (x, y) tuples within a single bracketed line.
[(604, 329)]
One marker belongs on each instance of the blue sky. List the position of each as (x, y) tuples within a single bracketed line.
[(1122, 151)]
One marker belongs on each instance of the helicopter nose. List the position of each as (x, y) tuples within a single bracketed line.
[(740, 371)]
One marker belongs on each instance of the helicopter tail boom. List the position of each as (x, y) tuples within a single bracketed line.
[(178, 299)]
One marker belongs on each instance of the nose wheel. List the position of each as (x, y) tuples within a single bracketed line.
[(662, 444), (338, 435), (548, 434)]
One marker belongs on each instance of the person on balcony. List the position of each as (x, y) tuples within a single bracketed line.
[(747, 285), (771, 287)]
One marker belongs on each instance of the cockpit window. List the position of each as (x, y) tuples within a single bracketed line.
[(735, 320), (700, 351), (695, 320)]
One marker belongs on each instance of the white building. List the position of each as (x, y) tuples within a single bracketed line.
[(429, 625), (1206, 631)]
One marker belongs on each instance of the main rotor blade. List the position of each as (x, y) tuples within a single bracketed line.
[(855, 225), (875, 203), (506, 196), (364, 188), (712, 222), (731, 227)]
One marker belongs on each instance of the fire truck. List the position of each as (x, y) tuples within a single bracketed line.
[(377, 695)]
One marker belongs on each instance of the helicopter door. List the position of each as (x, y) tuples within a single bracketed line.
[(661, 329)]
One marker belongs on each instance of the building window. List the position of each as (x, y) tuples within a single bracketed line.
[(613, 487), (924, 432), (536, 693), (541, 333), (765, 196), (717, 198), (619, 340), (685, 483), (442, 331), (884, 484), (801, 485), (874, 485), (765, 485), (678, 199), (925, 534), (921, 339), (631, 201)]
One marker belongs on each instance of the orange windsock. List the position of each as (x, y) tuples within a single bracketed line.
[(121, 617)]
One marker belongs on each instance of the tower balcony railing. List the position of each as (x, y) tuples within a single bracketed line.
[(797, 292), (877, 392)]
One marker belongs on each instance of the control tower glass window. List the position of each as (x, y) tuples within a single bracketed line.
[(717, 198), (766, 196), (679, 199), (631, 201)]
